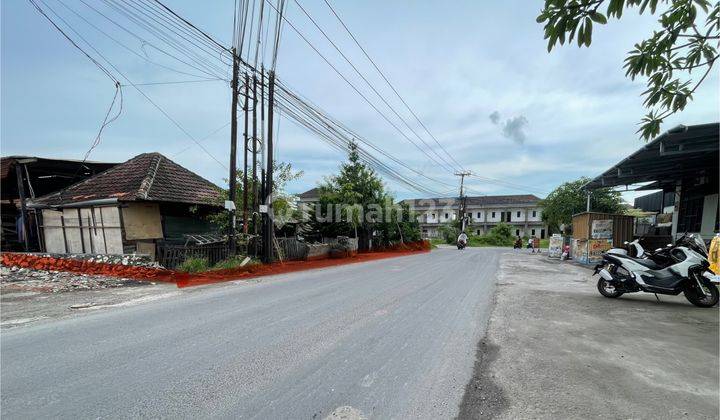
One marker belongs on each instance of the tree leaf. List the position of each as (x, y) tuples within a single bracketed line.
[(598, 18)]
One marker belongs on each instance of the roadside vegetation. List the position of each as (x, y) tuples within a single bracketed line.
[(199, 265), (569, 198), (194, 265), (499, 235), (368, 211)]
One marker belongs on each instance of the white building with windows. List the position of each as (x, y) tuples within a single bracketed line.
[(522, 212)]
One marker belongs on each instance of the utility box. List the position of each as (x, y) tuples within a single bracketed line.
[(595, 233)]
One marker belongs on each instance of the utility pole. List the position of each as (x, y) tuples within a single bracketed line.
[(254, 157), (269, 225), (587, 206), (233, 152), (261, 197), (23, 206), (461, 205), (245, 153)]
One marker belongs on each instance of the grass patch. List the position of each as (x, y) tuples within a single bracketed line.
[(434, 242), (234, 262), (194, 265), (229, 263)]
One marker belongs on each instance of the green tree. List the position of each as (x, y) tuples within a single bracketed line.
[(569, 199), (400, 225), (283, 203), (683, 44), (357, 195)]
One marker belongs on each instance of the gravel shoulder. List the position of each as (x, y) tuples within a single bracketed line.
[(555, 348)]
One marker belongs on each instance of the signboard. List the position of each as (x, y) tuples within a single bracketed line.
[(579, 250), (555, 247), (596, 247), (602, 229)]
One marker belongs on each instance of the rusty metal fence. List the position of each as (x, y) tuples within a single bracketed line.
[(171, 256), (291, 249)]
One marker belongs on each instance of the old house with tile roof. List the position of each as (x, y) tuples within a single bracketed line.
[(129, 208)]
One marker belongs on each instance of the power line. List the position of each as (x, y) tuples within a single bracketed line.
[(140, 14), (177, 82), (278, 31), (388, 83), (370, 85), (158, 107), (356, 89), (100, 66), (207, 136), (328, 128), (131, 33), (208, 37), (508, 184)]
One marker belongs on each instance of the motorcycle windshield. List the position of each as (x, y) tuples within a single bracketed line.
[(700, 244)]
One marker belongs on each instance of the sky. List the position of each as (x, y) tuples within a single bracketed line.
[(477, 74)]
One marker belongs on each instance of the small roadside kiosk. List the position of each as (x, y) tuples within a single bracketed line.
[(595, 233)]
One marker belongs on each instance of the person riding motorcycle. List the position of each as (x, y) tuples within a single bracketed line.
[(462, 240)]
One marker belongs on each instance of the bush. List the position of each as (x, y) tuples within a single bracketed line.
[(499, 235), (194, 265), (229, 263), (449, 233)]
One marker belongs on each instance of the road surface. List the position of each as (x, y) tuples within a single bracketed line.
[(389, 338)]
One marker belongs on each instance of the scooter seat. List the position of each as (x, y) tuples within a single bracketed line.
[(642, 261)]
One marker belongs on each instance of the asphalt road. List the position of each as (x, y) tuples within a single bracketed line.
[(389, 338)]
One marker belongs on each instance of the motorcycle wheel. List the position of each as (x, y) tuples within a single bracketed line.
[(698, 298), (607, 289)]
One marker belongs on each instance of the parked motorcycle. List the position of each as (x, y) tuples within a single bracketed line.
[(660, 256), (461, 244), (633, 249), (686, 271)]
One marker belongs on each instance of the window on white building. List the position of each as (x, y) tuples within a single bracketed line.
[(446, 215), (493, 215), (532, 232), (478, 216), (518, 214), (534, 213), (517, 232)]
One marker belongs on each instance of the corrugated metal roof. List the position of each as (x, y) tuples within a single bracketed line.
[(678, 153)]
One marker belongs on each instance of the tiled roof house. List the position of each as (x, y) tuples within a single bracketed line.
[(131, 207)]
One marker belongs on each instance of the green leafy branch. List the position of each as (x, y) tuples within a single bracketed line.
[(667, 59)]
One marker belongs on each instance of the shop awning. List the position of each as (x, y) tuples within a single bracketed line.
[(681, 152)]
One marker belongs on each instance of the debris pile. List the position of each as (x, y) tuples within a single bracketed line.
[(90, 266), (52, 281)]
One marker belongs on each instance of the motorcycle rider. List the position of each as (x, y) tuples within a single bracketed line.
[(462, 239)]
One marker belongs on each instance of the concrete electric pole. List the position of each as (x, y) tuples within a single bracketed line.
[(233, 153), (461, 205)]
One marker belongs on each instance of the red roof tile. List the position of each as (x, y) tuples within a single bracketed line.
[(146, 177)]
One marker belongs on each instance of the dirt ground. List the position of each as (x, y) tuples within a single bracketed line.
[(28, 296), (555, 348)]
